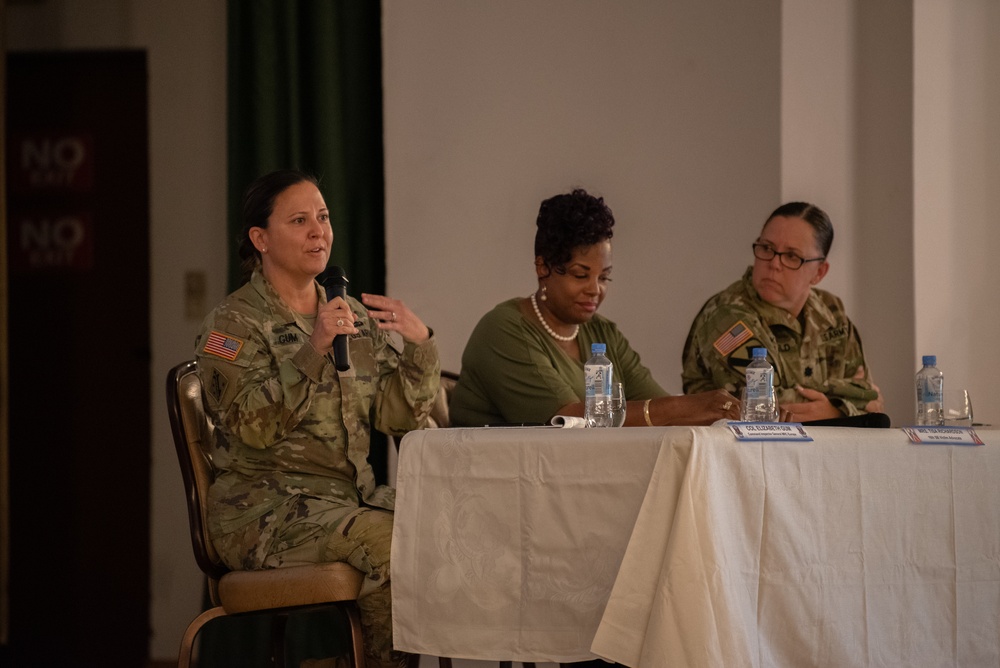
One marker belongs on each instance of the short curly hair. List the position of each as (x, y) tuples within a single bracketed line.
[(566, 222)]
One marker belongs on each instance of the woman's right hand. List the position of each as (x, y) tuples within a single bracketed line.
[(333, 318), (702, 408)]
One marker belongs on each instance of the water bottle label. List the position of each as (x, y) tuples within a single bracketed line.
[(598, 381), (930, 391), (758, 382)]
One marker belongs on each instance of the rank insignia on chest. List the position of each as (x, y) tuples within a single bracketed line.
[(733, 338), (223, 346)]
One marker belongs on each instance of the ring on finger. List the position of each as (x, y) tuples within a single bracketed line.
[(393, 316), (340, 322), (726, 406)]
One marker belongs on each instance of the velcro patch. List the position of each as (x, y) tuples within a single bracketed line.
[(221, 345), (732, 338), (743, 355)]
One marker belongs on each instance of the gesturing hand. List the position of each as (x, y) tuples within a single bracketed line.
[(394, 315)]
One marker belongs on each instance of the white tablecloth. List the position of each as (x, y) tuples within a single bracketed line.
[(506, 541), (856, 549)]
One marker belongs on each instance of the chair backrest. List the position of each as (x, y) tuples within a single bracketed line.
[(439, 413), (194, 432)]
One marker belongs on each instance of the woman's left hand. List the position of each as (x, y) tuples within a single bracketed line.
[(394, 315), (816, 406)]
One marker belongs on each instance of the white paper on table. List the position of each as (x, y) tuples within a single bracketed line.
[(568, 421)]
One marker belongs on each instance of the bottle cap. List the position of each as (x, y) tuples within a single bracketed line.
[(930, 360), (596, 348), (759, 352)]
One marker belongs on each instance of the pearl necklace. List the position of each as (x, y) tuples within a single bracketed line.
[(548, 329)]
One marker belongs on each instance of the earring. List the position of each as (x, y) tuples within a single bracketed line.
[(544, 297), (264, 249)]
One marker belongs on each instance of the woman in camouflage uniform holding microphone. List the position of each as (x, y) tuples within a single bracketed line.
[(294, 484)]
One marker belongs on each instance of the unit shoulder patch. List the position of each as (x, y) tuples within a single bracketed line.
[(217, 386), (743, 355)]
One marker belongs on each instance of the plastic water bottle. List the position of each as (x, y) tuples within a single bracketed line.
[(930, 393), (759, 402), (597, 373)]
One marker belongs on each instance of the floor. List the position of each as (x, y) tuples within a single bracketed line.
[(432, 662)]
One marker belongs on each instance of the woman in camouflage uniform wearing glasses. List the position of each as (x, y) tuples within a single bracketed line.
[(819, 365)]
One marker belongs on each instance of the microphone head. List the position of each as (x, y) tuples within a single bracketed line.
[(334, 277)]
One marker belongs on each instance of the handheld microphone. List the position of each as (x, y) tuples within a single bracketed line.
[(335, 283)]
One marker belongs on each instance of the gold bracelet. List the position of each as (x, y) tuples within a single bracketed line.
[(645, 411)]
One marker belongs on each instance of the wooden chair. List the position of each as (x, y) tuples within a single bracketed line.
[(278, 591), (439, 413)]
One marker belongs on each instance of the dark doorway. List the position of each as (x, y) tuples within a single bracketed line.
[(78, 245)]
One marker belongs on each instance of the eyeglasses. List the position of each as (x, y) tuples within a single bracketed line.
[(787, 258)]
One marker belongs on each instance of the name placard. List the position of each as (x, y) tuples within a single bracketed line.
[(943, 435), (769, 431)]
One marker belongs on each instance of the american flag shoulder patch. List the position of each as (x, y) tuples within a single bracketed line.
[(732, 339), (223, 346)]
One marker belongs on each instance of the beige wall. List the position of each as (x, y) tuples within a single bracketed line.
[(669, 110), (957, 193), (693, 119), (847, 109), (818, 134)]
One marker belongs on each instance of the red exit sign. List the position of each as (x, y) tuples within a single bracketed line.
[(42, 242), (46, 161)]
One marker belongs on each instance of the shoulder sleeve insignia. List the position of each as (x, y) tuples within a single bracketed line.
[(743, 355), (217, 386), (731, 340), (220, 345)]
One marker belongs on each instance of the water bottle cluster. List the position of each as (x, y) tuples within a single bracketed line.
[(759, 400)]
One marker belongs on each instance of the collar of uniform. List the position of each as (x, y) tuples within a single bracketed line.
[(814, 307), (279, 309)]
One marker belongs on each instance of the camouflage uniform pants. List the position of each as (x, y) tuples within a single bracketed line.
[(307, 531)]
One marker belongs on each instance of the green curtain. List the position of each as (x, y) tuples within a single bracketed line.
[(305, 92)]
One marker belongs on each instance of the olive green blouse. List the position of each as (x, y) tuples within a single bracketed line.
[(513, 371)]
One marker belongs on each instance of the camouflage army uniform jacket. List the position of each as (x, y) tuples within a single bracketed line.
[(820, 350), (291, 424)]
